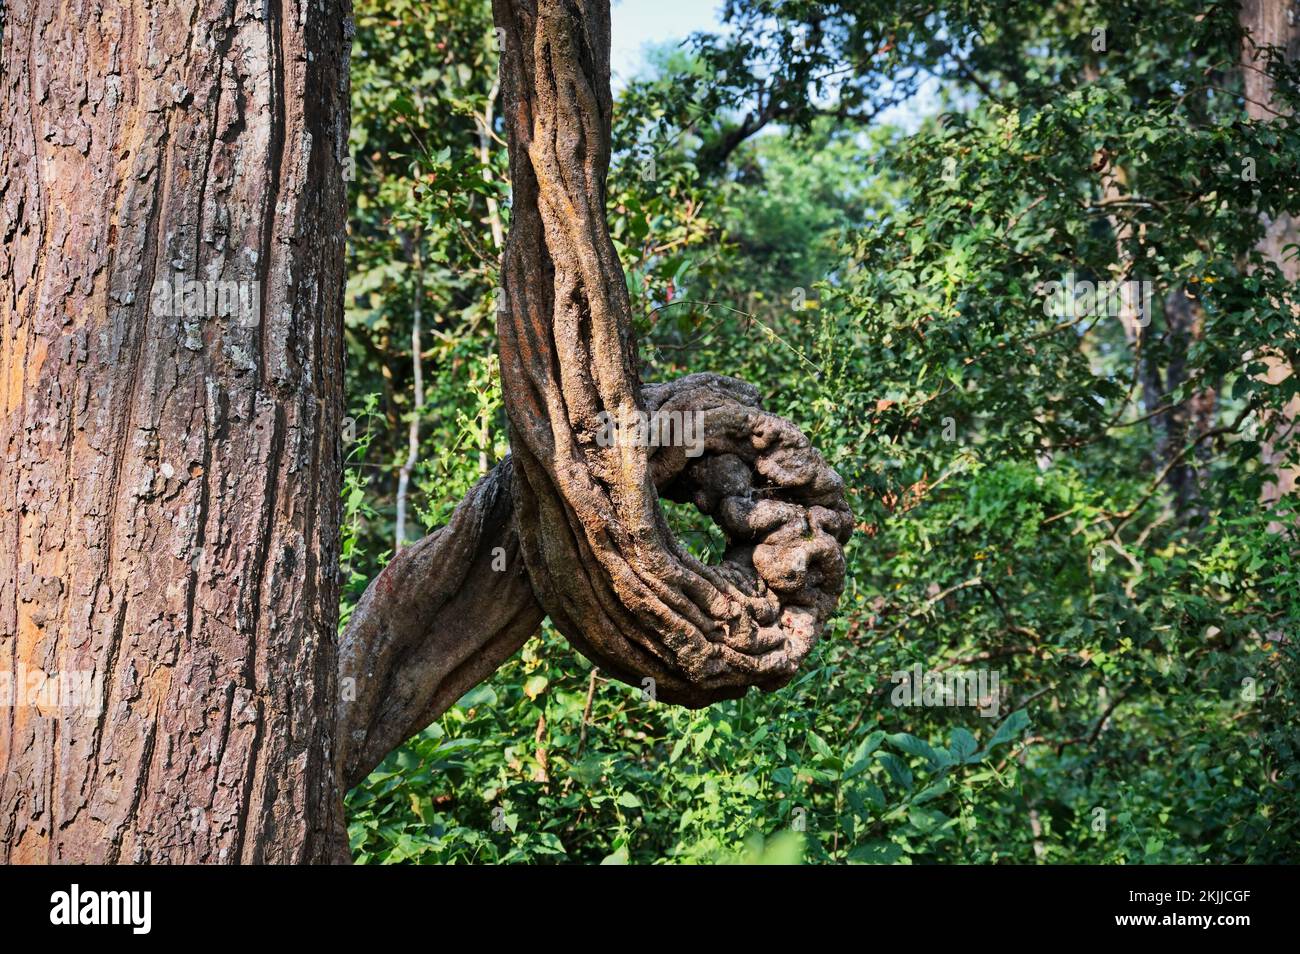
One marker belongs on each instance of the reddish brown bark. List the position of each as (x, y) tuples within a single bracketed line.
[(168, 484)]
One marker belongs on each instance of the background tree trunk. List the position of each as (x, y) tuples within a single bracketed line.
[(169, 483), (1273, 23)]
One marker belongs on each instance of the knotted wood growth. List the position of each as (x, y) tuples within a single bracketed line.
[(602, 560), (571, 525)]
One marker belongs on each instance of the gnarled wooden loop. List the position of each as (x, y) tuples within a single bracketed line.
[(780, 505), (600, 556), (571, 525)]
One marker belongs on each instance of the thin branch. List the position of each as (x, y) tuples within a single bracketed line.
[(417, 405)]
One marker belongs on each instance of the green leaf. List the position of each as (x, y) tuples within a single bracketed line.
[(897, 769), (481, 695), (618, 857), (913, 746), (876, 853), (962, 745), (1012, 727), (819, 745)]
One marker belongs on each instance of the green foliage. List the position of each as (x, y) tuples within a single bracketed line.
[(1013, 472)]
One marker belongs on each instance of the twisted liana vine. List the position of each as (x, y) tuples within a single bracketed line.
[(571, 526)]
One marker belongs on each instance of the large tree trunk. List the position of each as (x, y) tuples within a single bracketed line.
[(169, 483)]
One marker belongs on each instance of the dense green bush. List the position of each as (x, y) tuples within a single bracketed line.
[(1011, 471)]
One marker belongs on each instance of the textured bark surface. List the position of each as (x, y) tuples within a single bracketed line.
[(168, 498), (440, 618), (169, 485), (1184, 326), (568, 527), (602, 561), (447, 611)]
